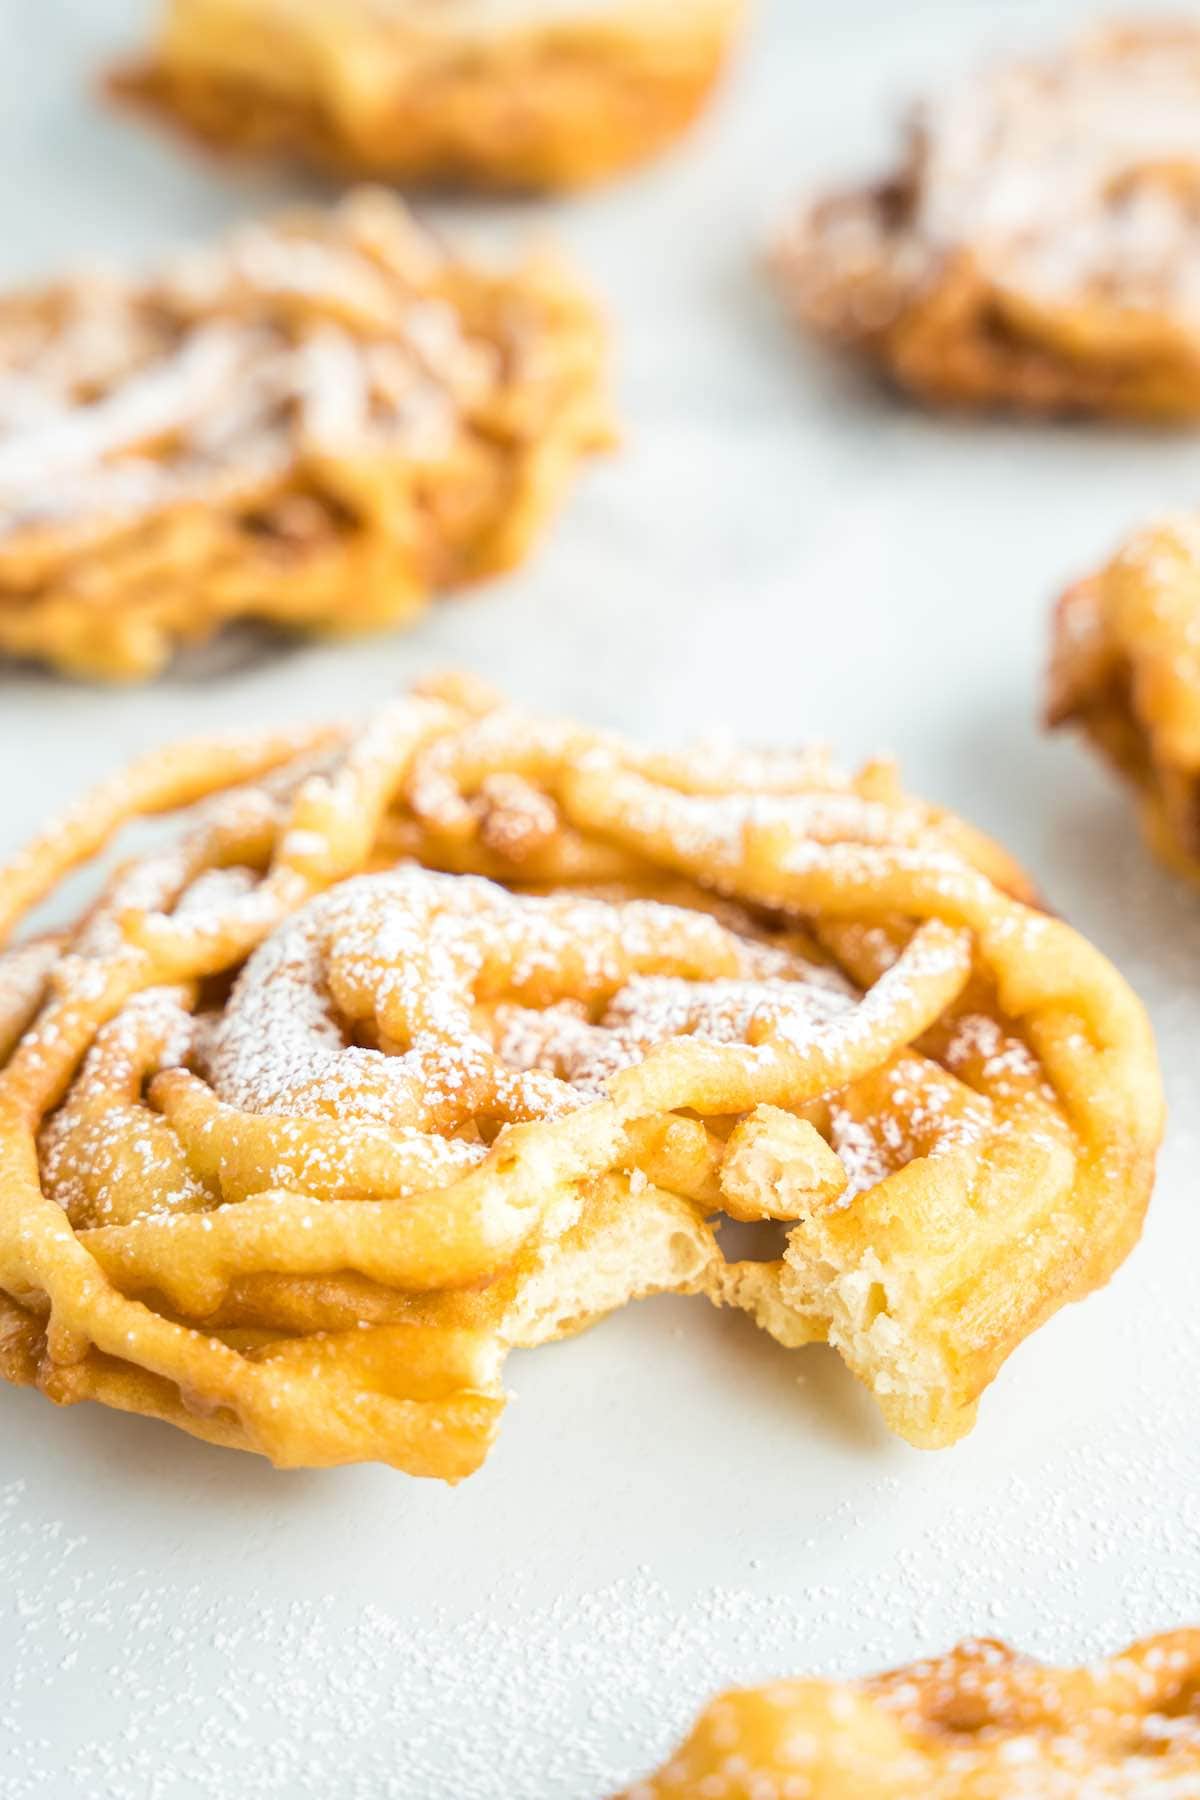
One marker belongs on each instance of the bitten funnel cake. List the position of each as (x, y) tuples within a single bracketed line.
[(982, 1723), (1037, 245), (317, 423), (496, 93), (457, 1030), (1126, 668)]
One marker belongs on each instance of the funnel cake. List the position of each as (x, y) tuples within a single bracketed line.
[(1125, 666), (1038, 246), (455, 1032), (496, 93), (316, 423), (982, 1723)]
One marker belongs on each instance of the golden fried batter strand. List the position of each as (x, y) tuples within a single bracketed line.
[(316, 423), (1125, 667), (455, 1031), (494, 93), (982, 1723), (1038, 246)]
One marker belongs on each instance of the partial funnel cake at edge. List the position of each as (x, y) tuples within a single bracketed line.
[(982, 1723), (1125, 669)]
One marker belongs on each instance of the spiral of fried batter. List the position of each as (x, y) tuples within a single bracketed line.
[(981, 1723), (418, 1041)]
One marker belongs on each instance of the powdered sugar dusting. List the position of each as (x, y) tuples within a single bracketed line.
[(649, 1010), (425, 949), (120, 398), (511, 1696), (1065, 180)]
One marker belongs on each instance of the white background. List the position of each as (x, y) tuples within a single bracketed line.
[(674, 1503)]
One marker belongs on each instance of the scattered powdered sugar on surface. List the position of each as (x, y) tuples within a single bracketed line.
[(258, 1696)]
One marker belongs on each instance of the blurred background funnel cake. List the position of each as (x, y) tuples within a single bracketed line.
[(495, 93), (982, 1723), (1125, 667), (1037, 245), (454, 1032), (316, 423)]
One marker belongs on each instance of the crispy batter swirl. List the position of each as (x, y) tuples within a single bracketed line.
[(458, 1030)]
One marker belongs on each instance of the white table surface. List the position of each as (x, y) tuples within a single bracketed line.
[(674, 1503)]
